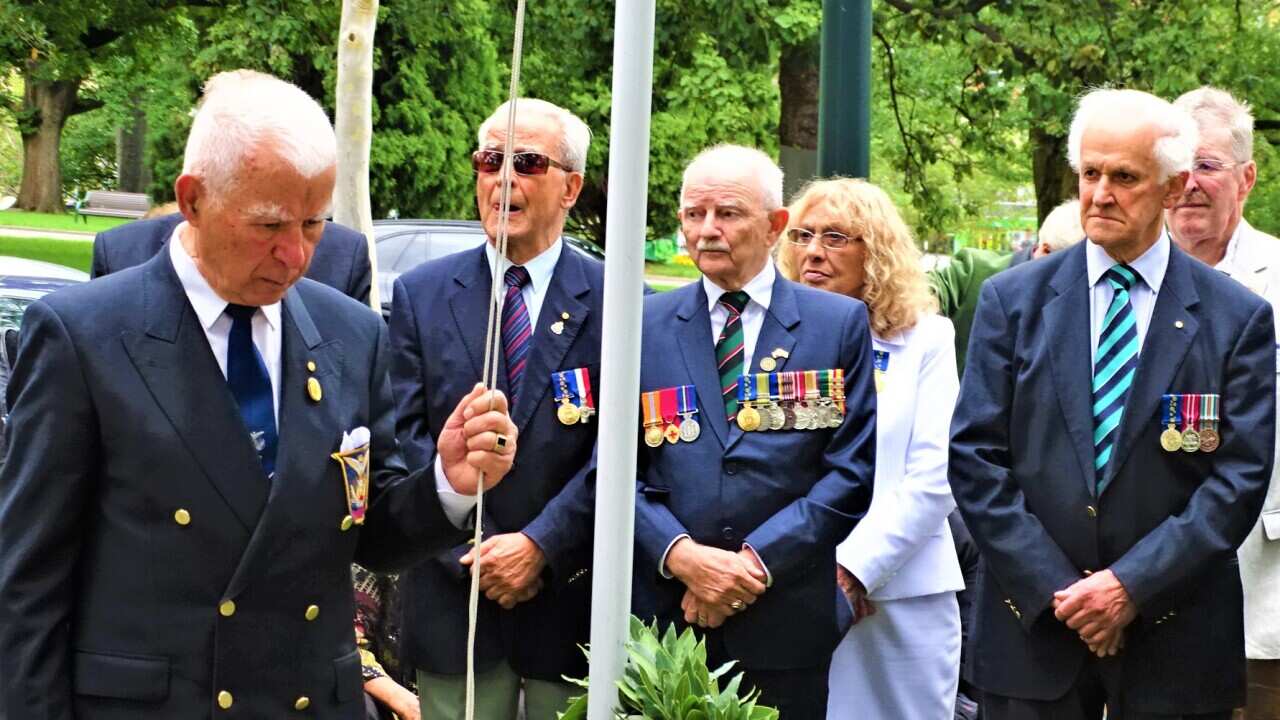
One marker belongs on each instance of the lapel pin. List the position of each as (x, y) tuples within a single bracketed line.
[(311, 365), (768, 364), (1177, 324), (313, 390), (780, 353), (564, 316), (557, 327)]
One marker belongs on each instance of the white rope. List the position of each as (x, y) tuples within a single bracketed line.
[(493, 340)]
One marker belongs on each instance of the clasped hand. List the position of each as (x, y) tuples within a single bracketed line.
[(719, 583), (1098, 608), (478, 437), (510, 568)]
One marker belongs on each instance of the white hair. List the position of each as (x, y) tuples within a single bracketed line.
[(575, 136), (1211, 108), (741, 159), (242, 110), (1061, 227), (1174, 149)]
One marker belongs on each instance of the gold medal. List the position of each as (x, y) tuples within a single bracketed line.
[(313, 390), (748, 418), (568, 413), (653, 436), (1190, 440), (1171, 439), (1209, 440)]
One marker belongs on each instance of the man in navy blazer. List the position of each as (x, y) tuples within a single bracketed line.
[(201, 446), (341, 259), (1106, 500), (535, 613), (736, 531)]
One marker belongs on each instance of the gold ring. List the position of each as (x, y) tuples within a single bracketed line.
[(500, 443), (738, 605)]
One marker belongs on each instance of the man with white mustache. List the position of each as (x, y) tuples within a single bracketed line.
[(535, 612), (1208, 223)]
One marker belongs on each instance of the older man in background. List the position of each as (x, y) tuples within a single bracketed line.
[(1111, 448), (1208, 223)]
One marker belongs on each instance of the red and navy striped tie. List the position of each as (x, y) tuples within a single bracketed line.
[(517, 331), (730, 349)]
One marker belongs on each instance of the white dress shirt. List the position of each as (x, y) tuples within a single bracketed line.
[(1151, 266), (760, 291), (209, 308), (458, 506)]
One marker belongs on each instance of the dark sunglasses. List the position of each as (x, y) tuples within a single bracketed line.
[(524, 163)]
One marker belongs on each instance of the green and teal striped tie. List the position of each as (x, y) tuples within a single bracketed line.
[(1114, 367), (730, 349)]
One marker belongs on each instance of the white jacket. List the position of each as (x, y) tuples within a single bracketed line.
[(903, 547), (1253, 258)]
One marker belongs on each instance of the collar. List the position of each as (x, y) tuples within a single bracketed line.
[(208, 305), (759, 288), (540, 268), (1151, 265)]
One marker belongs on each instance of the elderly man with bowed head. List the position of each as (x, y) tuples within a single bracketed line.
[(759, 423), (899, 568), (1111, 448), (1208, 223), (203, 445)]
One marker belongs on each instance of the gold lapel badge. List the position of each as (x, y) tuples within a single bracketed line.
[(314, 391)]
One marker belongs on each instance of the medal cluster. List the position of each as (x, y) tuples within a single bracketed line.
[(1190, 422), (573, 393), (796, 400), (669, 415)]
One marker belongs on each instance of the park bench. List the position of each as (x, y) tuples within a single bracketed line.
[(109, 203)]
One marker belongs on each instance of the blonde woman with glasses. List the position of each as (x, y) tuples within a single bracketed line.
[(898, 569)]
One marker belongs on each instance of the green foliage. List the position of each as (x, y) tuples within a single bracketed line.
[(666, 678)]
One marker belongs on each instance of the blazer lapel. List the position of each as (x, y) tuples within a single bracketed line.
[(175, 362), (307, 433), (775, 333), (700, 361), (1172, 331), (1067, 327), (469, 301), (568, 284)]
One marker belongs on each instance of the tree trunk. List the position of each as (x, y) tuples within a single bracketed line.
[(131, 141), (1055, 180), (46, 105), (353, 123), (798, 77)]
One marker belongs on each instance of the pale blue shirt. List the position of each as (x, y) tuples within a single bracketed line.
[(1151, 266), (457, 506)]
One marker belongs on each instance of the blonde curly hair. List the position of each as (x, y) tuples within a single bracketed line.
[(895, 289)]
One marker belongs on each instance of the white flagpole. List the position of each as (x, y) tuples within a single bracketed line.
[(620, 350)]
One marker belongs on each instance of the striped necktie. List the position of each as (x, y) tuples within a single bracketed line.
[(1115, 364), (730, 349), (517, 331)]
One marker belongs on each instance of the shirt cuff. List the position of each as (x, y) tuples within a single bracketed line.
[(662, 563), (768, 576), (457, 507)]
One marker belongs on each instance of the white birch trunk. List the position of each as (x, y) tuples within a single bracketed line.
[(353, 124)]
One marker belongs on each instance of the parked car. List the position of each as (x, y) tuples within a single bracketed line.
[(23, 281), (404, 244)]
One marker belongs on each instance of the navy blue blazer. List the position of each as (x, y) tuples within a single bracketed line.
[(1167, 525), (133, 507), (792, 495), (438, 321), (341, 260)]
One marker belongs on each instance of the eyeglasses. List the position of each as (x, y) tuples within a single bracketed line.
[(524, 163), (1209, 167), (830, 239)]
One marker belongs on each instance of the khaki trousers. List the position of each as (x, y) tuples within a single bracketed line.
[(444, 697)]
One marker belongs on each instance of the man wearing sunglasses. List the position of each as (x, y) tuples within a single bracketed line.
[(1208, 223), (534, 613)]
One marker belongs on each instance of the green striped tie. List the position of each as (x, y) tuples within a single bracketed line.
[(730, 349), (1114, 366)]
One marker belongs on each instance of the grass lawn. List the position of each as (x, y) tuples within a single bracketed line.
[(58, 221), (656, 268), (72, 253)]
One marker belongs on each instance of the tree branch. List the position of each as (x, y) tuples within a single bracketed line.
[(84, 105), (969, 14), (908, 152)]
